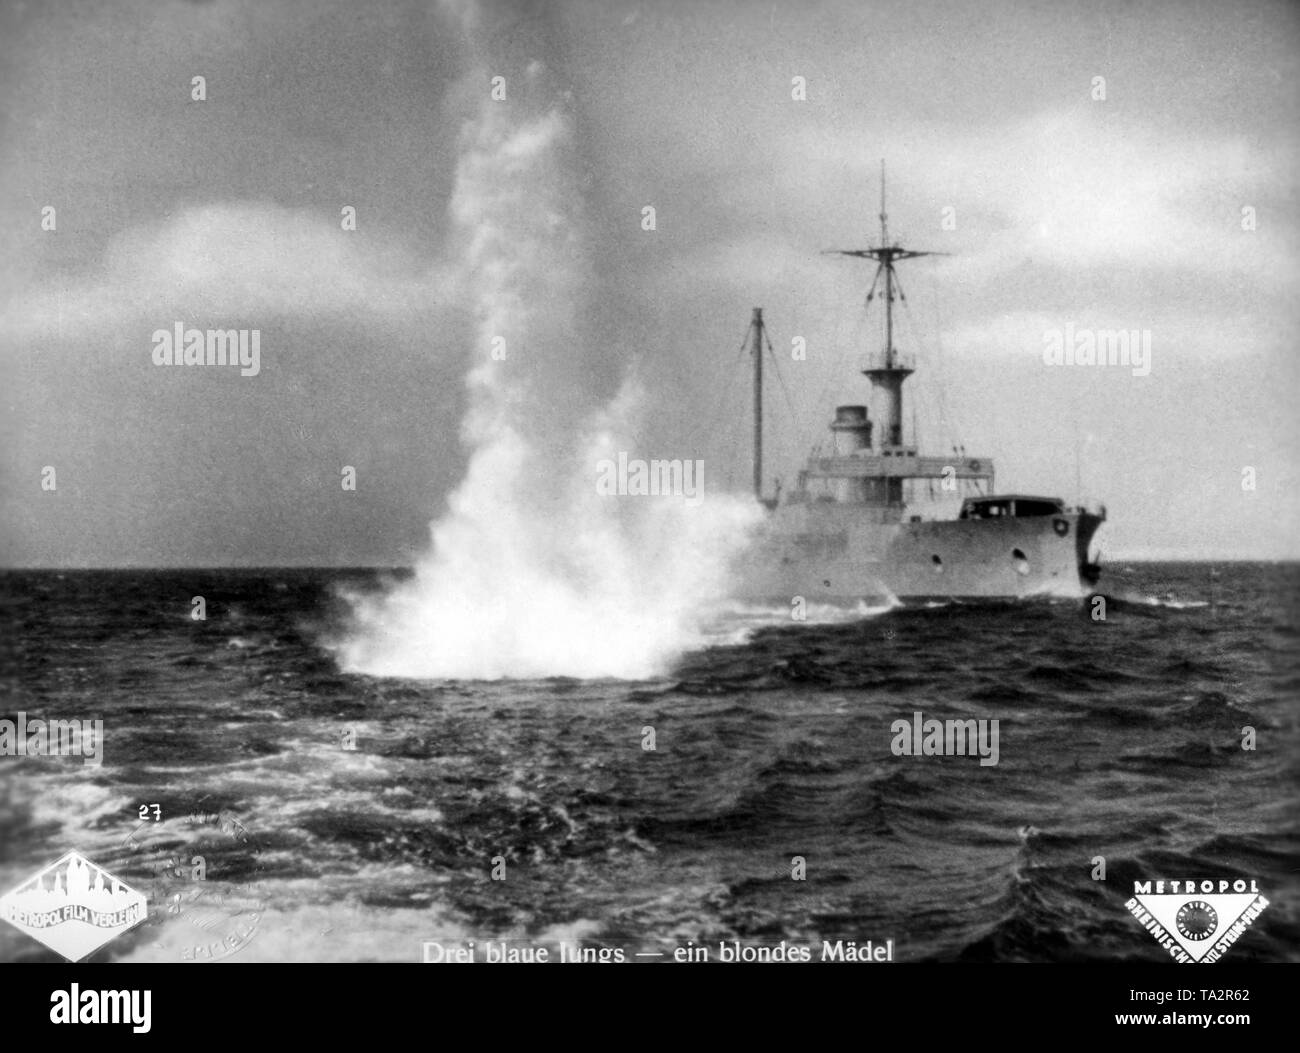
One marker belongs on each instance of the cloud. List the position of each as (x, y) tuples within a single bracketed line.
[(1083, 187), (240, 260)]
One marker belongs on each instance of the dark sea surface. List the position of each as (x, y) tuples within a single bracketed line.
[(1119, 738)]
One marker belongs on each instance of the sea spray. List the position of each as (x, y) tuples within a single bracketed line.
[(532, 572)]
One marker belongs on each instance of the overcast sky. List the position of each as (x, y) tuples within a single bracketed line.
[(1097, 213)]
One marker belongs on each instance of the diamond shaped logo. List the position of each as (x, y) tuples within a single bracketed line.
[(74, 907)]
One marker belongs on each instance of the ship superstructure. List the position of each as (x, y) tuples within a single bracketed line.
[(845, 531)]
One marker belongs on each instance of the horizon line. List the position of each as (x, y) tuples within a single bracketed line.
[(41, 568)]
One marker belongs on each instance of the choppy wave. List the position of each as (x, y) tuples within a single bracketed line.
[(1120, 738)]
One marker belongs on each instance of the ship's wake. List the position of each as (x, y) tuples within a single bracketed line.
[(735, 623), (533, 572), (1168, 601)]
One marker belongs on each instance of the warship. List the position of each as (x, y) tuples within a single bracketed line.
[(850, 529)]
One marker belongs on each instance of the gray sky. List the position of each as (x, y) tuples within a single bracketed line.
[(1119, 213)]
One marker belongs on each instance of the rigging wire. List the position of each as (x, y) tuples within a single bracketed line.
[(856, 337), (732, 412), (951, 433), (702, 433), (776, 367), (716, 420)]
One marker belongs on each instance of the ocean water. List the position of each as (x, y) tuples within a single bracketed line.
[(1119, 738)]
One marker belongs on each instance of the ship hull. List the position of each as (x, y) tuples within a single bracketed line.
[(828, 554)]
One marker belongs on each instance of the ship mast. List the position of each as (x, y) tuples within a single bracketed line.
[(756, 330), (886, 371), (889, 277)]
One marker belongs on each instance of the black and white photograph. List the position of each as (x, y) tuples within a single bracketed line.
[(614, 482)]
